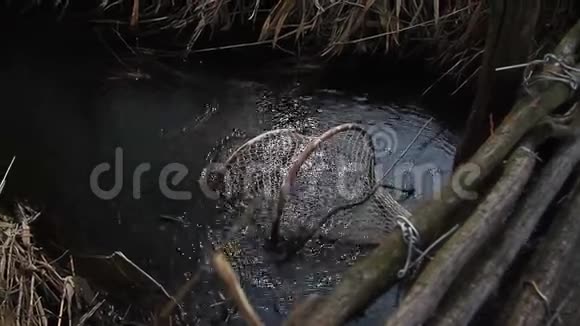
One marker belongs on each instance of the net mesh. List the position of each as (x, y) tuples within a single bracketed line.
[(332, 170)]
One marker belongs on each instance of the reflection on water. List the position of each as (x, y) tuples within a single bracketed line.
[(64, 115)]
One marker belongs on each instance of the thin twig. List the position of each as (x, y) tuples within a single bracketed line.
[(425, 23), (90, 313), (243, 45), (435, 243), (3, 182), (181, 293), (556, 315)]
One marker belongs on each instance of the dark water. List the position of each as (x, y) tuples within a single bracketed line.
[(67, 109)]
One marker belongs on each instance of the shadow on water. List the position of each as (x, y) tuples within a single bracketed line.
[(68, 105)]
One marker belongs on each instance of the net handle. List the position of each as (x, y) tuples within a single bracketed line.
[(257, 139), (294, 169), (245, 145)]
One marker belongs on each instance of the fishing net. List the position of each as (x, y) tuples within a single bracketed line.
[(320, 189), (310, 184)]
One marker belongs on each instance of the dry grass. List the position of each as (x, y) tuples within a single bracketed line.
[(335, 25), (33, 290), (450, 33)]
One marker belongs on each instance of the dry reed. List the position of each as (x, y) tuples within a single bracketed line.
[(334, 25), (35, 292), (449, 33)]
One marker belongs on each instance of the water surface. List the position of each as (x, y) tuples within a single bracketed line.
[(67, 111)]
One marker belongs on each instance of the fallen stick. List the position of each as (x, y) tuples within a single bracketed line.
[(461, 304), (545, 268), (435, 279), (224, 271), (228, 276), (371, 276)]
